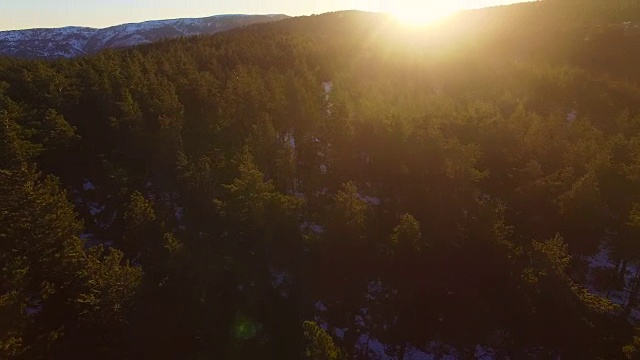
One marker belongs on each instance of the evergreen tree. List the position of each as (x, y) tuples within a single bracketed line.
[(319, 345)]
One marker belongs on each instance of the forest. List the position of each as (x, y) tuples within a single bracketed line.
[(335, 186)]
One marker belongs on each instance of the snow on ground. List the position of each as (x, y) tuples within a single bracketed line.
[(371, 200), (329, 108), (178, 212), (339, 332), (365, 156), (324, 191), (74, 41), (298, 194), (373, 347), (327, 86), (279, 278), (376, 350), (374, 288), (320, 306), (360, 320), (88, 185), (602, 260), (280, 281), (434, 350), (291, 141), (315, 228), (318, 229), (34, 308), (95, 208), (484, 353), (129, 40)]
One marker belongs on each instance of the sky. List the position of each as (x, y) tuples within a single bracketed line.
[(26, 14)]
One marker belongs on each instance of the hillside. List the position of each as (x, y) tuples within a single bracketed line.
[(336, 186), (78, 41)]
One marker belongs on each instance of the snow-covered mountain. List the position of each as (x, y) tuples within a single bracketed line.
[(74, 41)]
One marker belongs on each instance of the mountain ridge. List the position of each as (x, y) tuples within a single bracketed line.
[(73, 41)]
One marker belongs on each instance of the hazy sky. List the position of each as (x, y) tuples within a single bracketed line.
[(24, 14)]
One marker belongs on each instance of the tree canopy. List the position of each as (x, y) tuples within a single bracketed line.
[(334, 186)]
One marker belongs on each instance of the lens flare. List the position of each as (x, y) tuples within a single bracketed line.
[(417, 13)]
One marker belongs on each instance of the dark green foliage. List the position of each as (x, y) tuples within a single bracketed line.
[(51, 283), (447, 192), (407, 236)]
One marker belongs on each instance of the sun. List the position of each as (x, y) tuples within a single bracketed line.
[(421, 13)]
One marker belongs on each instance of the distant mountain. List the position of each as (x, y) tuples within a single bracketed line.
[(75, 41)]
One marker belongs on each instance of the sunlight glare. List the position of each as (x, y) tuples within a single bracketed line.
[(421, 13)]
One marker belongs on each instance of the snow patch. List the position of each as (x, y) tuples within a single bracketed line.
[(88, 185), (298, 194), (178, 212), (280, 281), (291, 141), (74, 41), (602, 261), (320, 306), (315, 228), (95, 208), (339, 332), (378, 350), (327, 86), (372, 200), (485, 353), (34, 308), (279, 278)]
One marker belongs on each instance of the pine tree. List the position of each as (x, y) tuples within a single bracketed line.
[(407, 236), (319, 345), (50, 281)]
